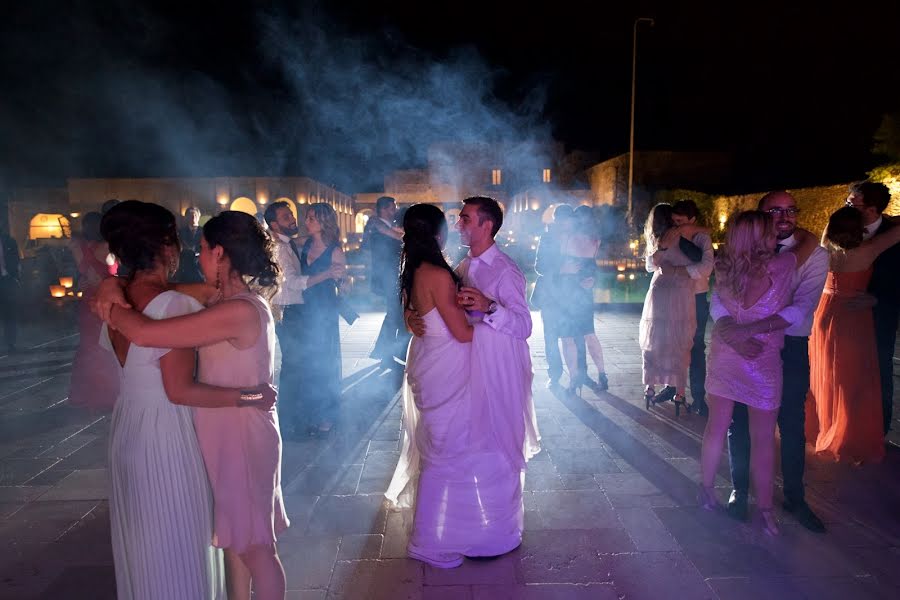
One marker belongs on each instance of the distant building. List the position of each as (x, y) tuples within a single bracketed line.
[(47, 215)]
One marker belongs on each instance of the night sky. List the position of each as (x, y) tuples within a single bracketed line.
[(347, 91)]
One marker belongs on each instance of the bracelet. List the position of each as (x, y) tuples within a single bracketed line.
[(249, 397)]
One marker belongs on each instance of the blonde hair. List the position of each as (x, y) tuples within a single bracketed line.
[(658, 222), (746, 252)]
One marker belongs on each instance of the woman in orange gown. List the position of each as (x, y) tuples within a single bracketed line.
[(845, 395)]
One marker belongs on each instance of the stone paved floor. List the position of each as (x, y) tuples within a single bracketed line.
[(610, 506)]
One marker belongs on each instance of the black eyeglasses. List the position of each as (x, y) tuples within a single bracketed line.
[(791, 212), (850, 202)]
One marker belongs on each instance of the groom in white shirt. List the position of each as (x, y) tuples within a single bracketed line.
[(493, 294)]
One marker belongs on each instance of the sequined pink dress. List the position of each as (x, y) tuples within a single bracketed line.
[(754, 382)]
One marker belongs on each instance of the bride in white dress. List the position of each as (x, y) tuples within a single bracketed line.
[(458, 485)]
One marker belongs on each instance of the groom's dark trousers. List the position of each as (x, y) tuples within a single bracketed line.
[(791, 419)]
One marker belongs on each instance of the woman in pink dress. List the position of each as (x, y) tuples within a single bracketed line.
[(95, 375), (241, 446), (753, 284)]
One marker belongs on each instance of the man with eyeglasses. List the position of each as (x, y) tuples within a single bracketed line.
[(807, 285), (871, 199)]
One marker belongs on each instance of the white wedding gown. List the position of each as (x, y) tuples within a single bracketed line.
[(466, 493)]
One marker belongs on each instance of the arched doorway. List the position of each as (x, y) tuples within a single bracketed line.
[(362, 217), (48, 226), (245, 205)]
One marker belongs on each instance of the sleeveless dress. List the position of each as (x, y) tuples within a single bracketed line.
[(466, 496), (95, 372), (160, 504), (578, 304), (668, 323), (845, 398), (320, 341), (755, 382), (242, 446)]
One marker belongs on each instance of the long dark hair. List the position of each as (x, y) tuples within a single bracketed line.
[(422, 224)]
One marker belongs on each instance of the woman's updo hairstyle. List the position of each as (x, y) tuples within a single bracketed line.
[(249, 248), (137, 232), (845, 229)]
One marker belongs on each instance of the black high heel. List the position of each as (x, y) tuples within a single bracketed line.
[(680, 401), (602, 381), (575, 386)]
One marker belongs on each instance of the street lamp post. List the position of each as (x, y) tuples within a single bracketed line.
[(631, 134)]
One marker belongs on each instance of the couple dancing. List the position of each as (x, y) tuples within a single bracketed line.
[(468, 418)]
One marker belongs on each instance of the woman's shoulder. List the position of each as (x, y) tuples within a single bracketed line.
[(171, 303)]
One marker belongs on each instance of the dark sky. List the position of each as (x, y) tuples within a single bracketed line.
[(346, 91)]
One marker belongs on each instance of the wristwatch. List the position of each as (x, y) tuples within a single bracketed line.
[(492, 308)]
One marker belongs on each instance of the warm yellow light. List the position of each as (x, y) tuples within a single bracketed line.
[(223, 200), (66, 282), (75, 215), (535, 205), (620, 268), (620, 277), (633, 244), (631, 276), (79, 294), (715, 245), (723, 218), (262, 200), (301, 199), (57, 291)]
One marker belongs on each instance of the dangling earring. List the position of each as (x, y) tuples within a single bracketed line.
[(218, 279)]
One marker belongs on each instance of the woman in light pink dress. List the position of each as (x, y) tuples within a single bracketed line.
[(753, 284), (241, 446)]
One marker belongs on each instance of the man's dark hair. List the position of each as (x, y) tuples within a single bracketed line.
[(563, 211), (383, 203), (271, 214), (686, 208), (873, 194), (488, 208)]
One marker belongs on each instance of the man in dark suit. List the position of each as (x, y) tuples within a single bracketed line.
[(871, 199), (9, 287), (383, 241)]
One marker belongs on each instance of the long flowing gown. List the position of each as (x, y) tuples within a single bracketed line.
[(160, 502), (845, 397), (466, 493), (668, 323), (755, 382), (95, 375), (242, 446), (320, 341)]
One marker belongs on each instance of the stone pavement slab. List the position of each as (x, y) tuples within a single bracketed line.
[(610, 501)]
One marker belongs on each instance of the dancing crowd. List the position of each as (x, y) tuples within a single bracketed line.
[(799, 325)]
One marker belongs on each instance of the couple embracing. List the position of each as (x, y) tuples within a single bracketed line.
[(468, 417)]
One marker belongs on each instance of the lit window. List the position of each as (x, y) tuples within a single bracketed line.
[(496, 177), (546, 175)]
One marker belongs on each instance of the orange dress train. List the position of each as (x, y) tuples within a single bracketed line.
[(845, 391)]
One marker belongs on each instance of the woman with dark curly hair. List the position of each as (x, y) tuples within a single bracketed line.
[(241, 444), (842, 351)]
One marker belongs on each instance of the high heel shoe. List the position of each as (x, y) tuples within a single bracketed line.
[(575, 386), (648, 397), (602, 382), (680, 401), (706, 496), (769, 522)]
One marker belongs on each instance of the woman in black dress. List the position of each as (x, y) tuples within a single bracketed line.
[(321, 340)]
